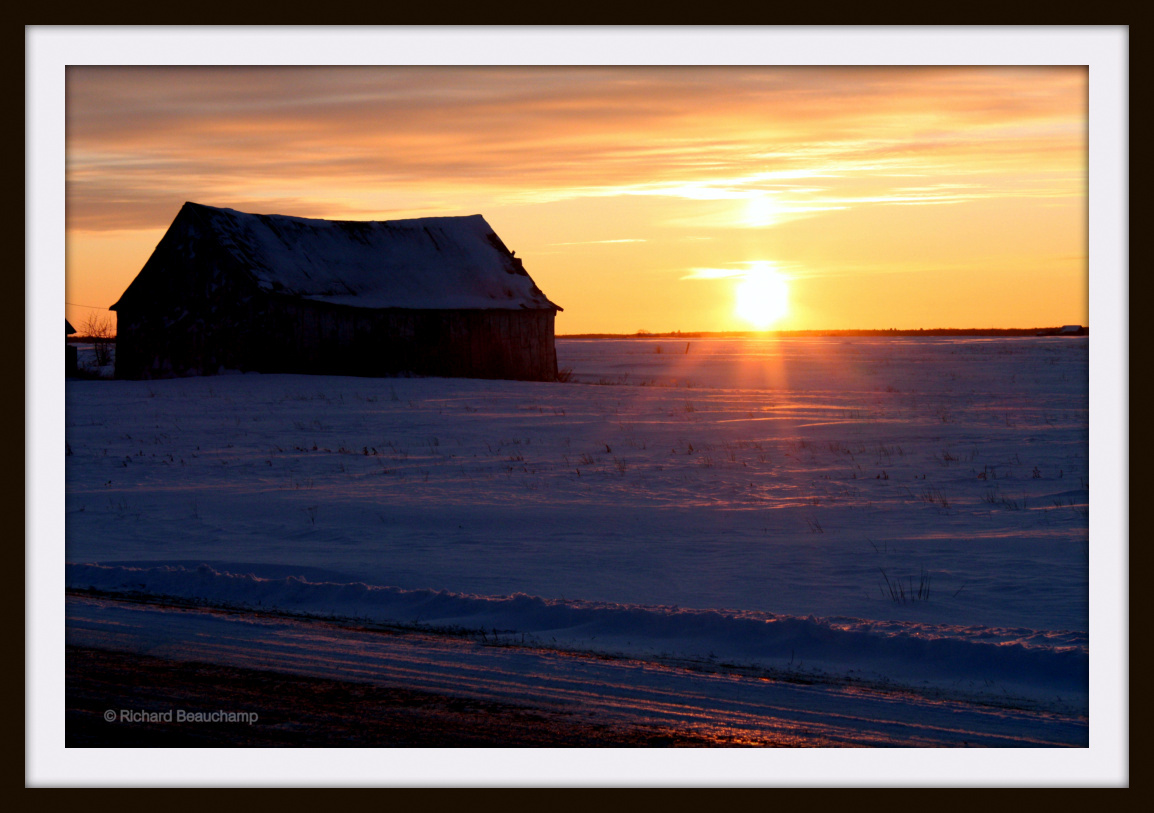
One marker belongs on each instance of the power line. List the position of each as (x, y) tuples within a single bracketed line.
[(93, 307)]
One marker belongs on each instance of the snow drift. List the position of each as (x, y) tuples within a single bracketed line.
[(967, 659)]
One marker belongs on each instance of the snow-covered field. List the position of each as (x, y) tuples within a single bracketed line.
[(903, 512)]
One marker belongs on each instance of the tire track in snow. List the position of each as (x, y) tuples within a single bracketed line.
[(720, 705)]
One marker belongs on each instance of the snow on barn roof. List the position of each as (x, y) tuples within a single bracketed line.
[(429, 262)]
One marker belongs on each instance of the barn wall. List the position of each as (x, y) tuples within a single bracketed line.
[(203, 323), (236, 332), (313, 337)]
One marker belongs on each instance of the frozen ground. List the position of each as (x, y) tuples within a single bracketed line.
[(699, 699), (907, 512)]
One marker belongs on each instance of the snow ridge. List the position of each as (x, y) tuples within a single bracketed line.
[(1030, 663)]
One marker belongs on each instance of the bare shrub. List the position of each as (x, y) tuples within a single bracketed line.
[(101, 330)]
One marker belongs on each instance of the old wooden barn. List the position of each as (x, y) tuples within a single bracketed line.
[(225, 290)]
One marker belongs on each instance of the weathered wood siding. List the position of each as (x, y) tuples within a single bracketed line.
[(315, 337), (294, 336), (199, 324)]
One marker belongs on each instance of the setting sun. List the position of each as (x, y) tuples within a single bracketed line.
[(762, 297)]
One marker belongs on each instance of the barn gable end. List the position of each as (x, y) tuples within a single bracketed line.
[(225, 290)]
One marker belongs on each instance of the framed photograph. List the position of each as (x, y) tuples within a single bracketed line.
[(721, 402)]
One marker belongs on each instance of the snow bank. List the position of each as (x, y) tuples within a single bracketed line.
[(1018, 662)]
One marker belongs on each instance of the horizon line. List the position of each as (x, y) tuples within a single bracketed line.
[(971, 331)]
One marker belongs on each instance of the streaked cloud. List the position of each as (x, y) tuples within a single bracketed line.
[(600, 242), (713, 273), (382, 138), (739, 270)]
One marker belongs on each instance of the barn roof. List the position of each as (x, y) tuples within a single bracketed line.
[(430, 262)]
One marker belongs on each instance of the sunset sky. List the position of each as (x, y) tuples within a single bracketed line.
[(660, 199)]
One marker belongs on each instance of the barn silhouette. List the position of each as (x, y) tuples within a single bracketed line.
[(230, 291)]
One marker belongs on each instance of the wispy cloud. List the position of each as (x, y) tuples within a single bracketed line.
[(741, 270), (600, 242), (713, 273), (381, 139)]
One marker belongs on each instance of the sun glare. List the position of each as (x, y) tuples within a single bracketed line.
[(761, 211), (762, 297)]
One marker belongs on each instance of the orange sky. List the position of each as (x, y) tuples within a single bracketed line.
[(639, 198)]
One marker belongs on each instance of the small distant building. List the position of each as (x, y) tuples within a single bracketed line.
[(1064, 330), (226, 290), (71, 365)]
